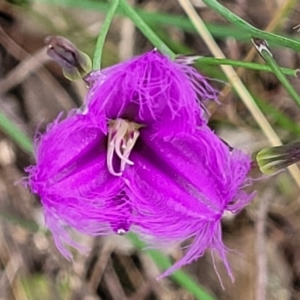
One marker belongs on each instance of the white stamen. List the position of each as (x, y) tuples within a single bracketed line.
[(130, 144), (122, 136), (110, 155)]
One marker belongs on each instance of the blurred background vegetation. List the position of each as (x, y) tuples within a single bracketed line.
[(265, 236)]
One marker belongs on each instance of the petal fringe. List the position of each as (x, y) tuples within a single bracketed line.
[(180, 187), (152, 90)]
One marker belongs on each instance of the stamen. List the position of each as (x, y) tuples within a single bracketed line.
[(122, 136), (109, 157), (130, 144)]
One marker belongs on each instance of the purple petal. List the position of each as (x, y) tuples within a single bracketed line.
[(72, 179), (152, 90), (180, 187)]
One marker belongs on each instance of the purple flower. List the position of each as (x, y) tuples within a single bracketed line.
[(152, 90), (178, 187), (137, 159)]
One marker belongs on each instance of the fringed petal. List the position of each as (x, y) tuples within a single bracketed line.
[(180, 187), (72, 179), (152, 90)]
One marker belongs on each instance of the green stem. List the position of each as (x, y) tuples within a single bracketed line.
[(263, 49), (279, 74), (251, 30), (247, 65), (103, 33), (145, 29)]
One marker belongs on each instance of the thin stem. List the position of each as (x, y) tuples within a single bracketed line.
[(145, 29), (277, 19), (103, 33), (251, 30), (244, 64), (266, 54)]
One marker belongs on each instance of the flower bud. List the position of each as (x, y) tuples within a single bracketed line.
[(75, 64), (271, 160)]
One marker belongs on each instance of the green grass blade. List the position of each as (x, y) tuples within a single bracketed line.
[(16, 135), (157, 18), (252, 31), (263, 49)]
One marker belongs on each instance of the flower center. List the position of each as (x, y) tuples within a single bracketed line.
[(122, 136)]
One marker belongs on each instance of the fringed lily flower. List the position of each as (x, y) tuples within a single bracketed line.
[(169, 189), (137, 158)]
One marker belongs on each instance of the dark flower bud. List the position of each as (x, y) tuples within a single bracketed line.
[(75, 64)]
